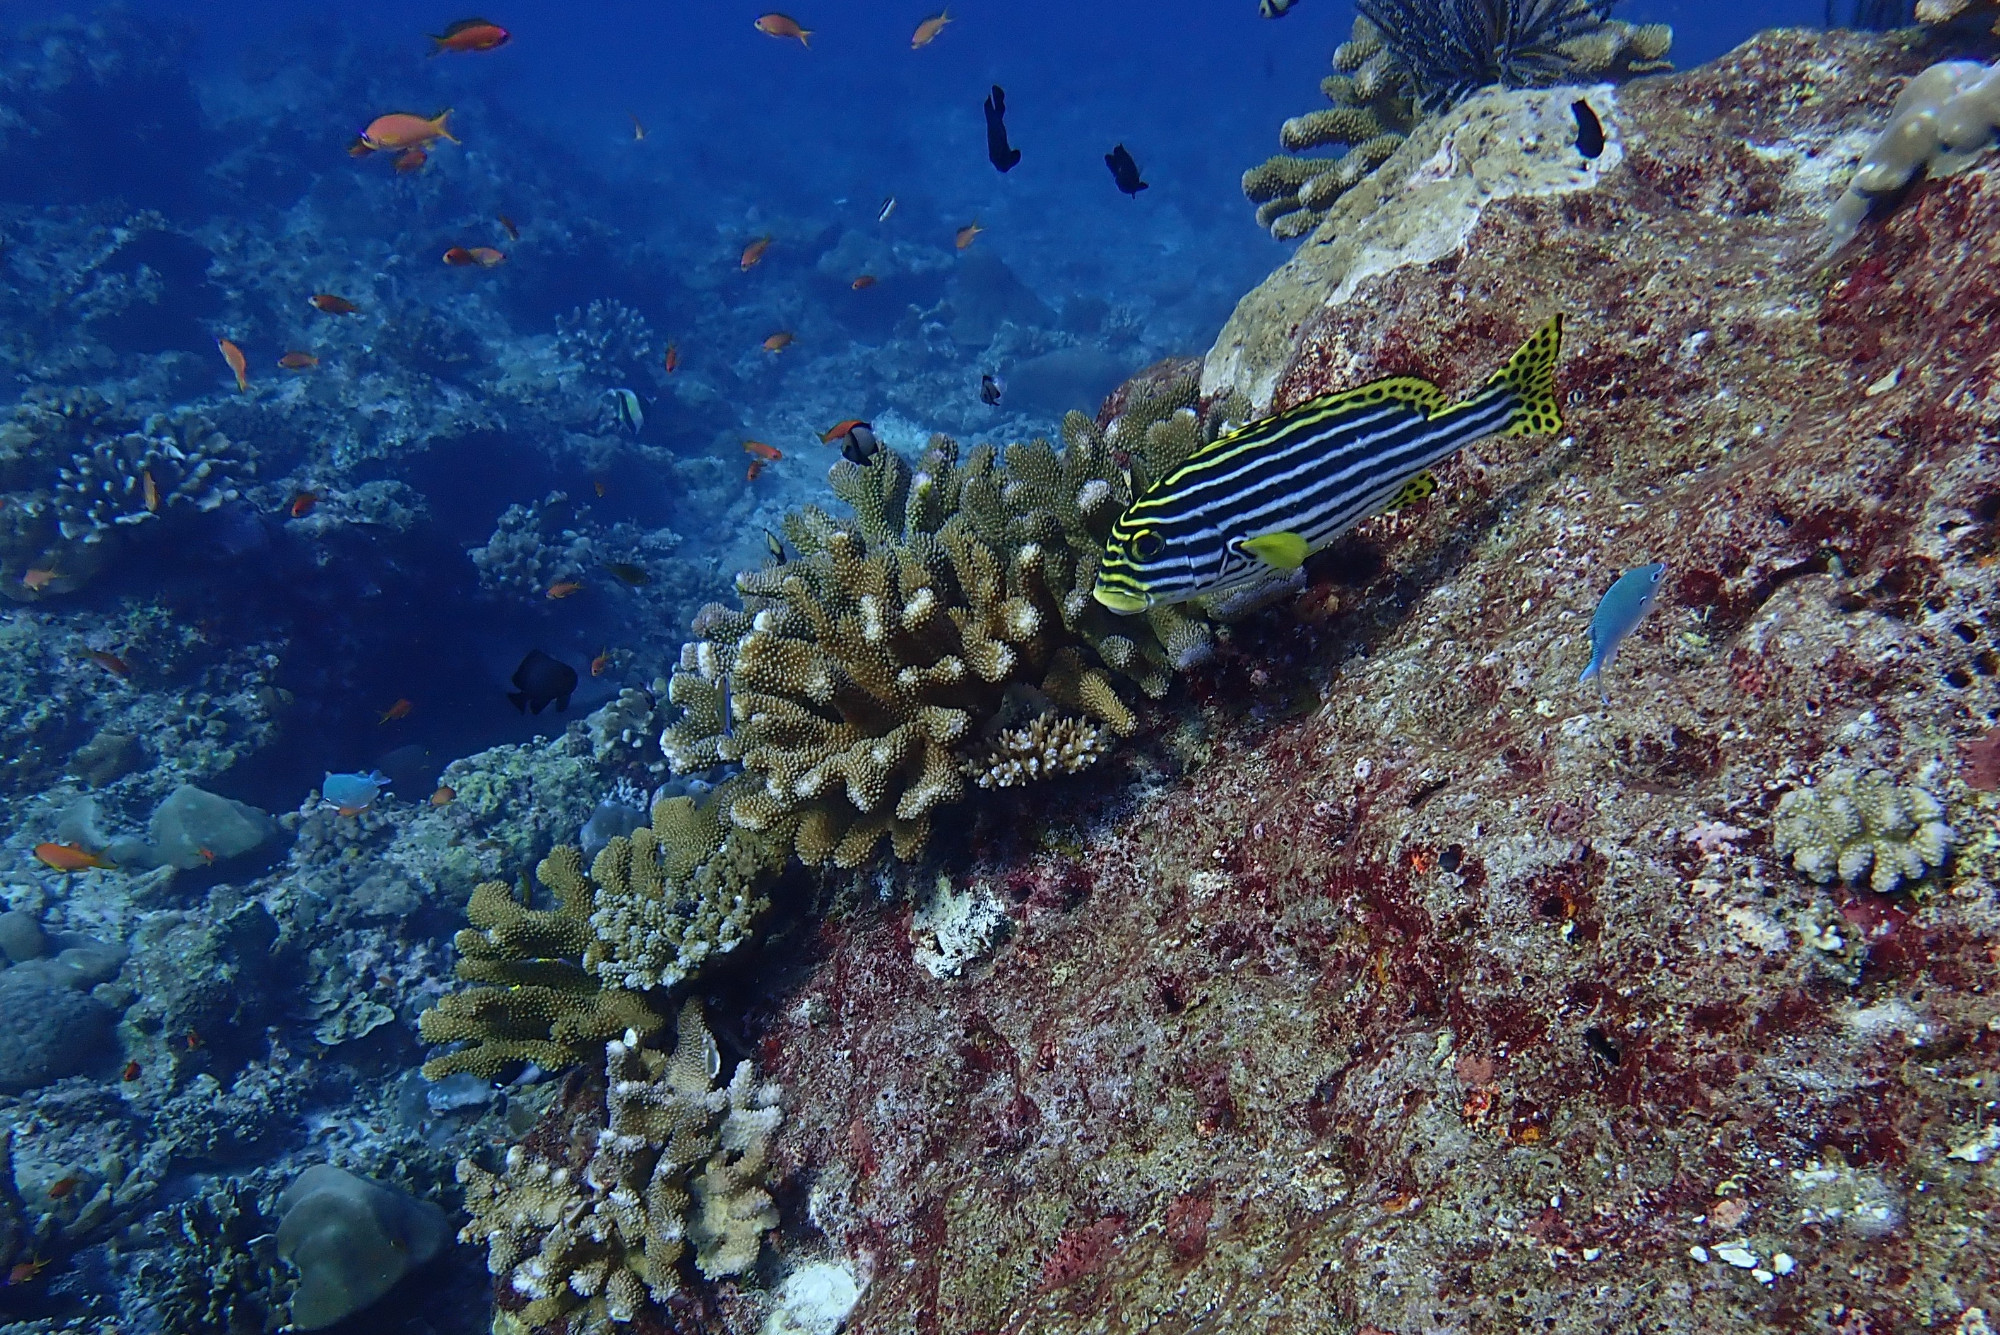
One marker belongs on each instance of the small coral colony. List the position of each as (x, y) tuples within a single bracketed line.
[(976, 617)]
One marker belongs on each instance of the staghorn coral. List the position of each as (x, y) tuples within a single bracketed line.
[(1852, 822), (1941, 121), (673, 1160), (533, 1001), (1402, 62), (853, 676)]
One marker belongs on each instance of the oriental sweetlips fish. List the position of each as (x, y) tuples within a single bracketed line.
[(1264, 497)]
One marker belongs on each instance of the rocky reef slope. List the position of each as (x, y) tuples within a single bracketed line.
[(1418, 990)]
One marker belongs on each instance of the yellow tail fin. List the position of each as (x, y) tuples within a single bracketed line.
[(1531, 374)]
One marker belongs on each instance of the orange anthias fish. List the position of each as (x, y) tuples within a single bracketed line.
[(928, 30), (111, 663), (458, 256), (564, 588), (966, 233), (400, 129), (507, 224), (470, 35), (756, 467), (600, 663), (672, 361), (839, 429), (70, 857), (131, 1072), (401, 709), (754, 252), (768, 453), (150, 490), (303, 503), (27, 1270), (37, 578), (331, 304), (298, 361), (234, 356), (411, 159), (443, 795), (486, 256), (779, 25), (778, 341), (866, 280)]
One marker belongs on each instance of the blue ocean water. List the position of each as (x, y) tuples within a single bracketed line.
[(383, 536)]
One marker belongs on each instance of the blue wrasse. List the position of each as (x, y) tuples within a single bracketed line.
[(1268, 495), (1619, 612)]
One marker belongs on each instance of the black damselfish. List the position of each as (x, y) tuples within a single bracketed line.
[(998, 152), (541, 681), (989, 391), (1589, 130), (1124, 171)]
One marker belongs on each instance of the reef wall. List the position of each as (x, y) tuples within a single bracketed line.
[(1415, 989)]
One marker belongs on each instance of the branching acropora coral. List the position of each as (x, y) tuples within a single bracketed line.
[(1942, 120), (1408, 58), (557, 983), (671, 1160), (859, 678), (1852, 823), (533, 1001)]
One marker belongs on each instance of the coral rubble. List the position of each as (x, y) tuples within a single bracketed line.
[(1852, 823)]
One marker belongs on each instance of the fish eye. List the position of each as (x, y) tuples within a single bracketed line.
[(1146, 544)]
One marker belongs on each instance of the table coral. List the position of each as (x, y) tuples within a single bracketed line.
[(853, 679), (1853, 822), (671, 1160)]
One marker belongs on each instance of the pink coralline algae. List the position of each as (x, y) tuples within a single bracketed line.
[(1391, 982)]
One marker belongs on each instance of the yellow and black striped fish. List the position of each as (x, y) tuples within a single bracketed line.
[(1268, 495)]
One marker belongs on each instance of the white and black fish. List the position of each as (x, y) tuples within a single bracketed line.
[(1275, 9)]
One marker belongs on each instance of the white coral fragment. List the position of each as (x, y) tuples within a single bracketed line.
[(1855, 825)]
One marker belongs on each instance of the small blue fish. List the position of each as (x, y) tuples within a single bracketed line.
[(626, 404), (1620, 611), (352, 794)]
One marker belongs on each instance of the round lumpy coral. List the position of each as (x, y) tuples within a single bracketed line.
[(1855, 825)]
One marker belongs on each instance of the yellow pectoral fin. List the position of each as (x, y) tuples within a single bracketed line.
[(1280, 551)]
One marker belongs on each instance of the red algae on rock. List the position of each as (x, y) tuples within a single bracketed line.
[(1454, 1000)]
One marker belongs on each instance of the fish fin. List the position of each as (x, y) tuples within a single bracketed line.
[(519, 699), (1411, 391), (1418, 488), (438, 122), (1596, 669), (1531, 374), (1280, 551)]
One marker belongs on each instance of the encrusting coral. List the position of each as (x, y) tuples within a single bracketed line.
[(852, 680), (1941, 121), (1852, 822), (552, 985), (672, 1160), (1397, 66)]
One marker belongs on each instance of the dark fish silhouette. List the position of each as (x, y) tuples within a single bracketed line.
[(541, 681), (859, 445), (997, 150), (989, 391), (1589, 130), (1124, 171), (1275, 9)]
